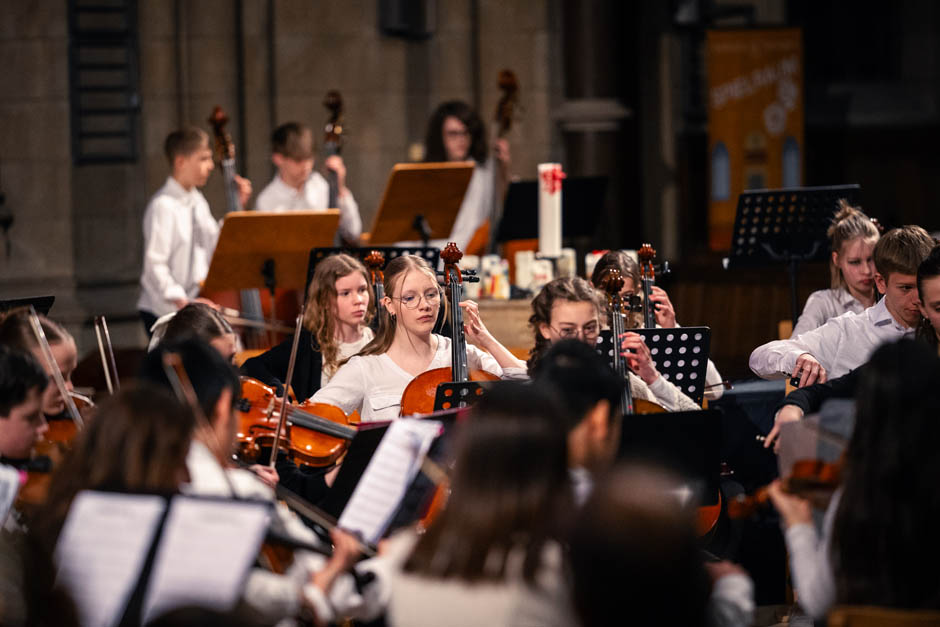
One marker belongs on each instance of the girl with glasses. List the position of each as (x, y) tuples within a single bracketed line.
[(406, 345), (571, 307)]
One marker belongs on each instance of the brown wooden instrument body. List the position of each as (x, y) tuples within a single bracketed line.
[(811, 479), (418, 397), (257, 422)]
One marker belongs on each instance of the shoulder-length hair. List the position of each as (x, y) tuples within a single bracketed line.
[(572, 289), (509, 490), (434, 140)]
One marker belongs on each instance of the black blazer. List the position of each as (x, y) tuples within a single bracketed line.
[(270, 367)]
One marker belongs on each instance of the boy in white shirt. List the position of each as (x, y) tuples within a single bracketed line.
[(297, 186), (180, 232), (846, 342)]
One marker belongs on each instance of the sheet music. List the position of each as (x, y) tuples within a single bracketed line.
[(207, 547), (9, 487), (102, 549), (390, 471)]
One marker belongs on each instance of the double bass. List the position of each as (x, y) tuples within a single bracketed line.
[(419, 395)]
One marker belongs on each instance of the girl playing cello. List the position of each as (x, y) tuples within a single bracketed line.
[(405, 345)]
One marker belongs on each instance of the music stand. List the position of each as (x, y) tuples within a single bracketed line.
[(773, 226), (268, 249), (42, 304), (430, 254), (420, 199), (454, 395), (680, 355), (582, 200)]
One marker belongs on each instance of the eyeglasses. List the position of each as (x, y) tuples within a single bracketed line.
[(587, 332), (411, 301), (456, 134)]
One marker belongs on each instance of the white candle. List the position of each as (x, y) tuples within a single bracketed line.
[(550, 176)]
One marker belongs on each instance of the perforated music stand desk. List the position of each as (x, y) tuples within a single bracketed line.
[(433, 190), (773, 226), (266, 249)]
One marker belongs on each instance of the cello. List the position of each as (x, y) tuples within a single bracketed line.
[(646, 254), (419, 395)]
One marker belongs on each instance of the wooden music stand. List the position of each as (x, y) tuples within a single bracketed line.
[(416, 193), (268, 250)]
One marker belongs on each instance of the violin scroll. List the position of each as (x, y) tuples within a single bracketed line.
[(224, 146)]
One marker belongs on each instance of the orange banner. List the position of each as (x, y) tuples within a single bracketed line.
[(755, 119)]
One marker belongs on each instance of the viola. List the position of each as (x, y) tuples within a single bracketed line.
[(811, 479), (316, 433), (419, 395)]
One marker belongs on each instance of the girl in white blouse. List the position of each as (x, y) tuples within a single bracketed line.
[(405, 345), (852, 236)]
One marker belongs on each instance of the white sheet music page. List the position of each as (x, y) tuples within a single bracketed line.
[(9, 487), (101, 551), (205, 552), (390, 471)]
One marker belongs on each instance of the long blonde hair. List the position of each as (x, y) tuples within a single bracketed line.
[(849, 223), (321, 300), (395, 274)]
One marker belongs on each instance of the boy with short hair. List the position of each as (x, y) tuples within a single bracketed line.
[(846, 342), (22, 382), (297, 186), (180, 232)]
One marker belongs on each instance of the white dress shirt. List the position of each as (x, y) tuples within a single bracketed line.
[(841, 345), (315, 194), (810, 564), (373, 384), (179, 237), (823, 305)]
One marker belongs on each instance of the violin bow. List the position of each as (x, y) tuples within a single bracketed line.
[(54, 368), (290, 376), (106, 351)]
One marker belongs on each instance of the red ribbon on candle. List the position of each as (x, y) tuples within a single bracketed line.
[(552, 179)]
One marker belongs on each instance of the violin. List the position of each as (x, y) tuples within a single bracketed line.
[(812, 479), (646, 254), (612, 282), (419, 395), (316, 433)]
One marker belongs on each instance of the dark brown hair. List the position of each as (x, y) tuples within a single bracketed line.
[(16, 331), (509, 489), (628, 269), (294, 141), (928, 269), (572, 289), (199, 320), (184, 142), (321, 299), (434, 140), (848, 223)]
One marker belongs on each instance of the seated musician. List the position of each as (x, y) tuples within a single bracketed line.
[(310, 580), (662, 306), (335, 327), (179, 231), (878, 543), (809, 399), (297, 186), (16, 332), (201, 320), (636, 559), (22, 384), (589, 392), (494, 555), (571, 308), (405, 345), (852, 238), (846, 342)]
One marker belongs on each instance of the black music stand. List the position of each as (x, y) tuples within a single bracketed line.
[(454, 395), (431, 254), (773, 226), (42, 304), (680, 355), (582, 200)]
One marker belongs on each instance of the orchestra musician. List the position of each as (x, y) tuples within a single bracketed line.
[(201, 320), (16, 333), (567, 308), (664, 311), (180, 232), (22, 423), (846, 342), (852, 238), (297, 186), (405, 345), (456, 133), (335, 327)]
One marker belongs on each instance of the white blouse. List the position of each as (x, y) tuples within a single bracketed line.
[(348, 349), (823, 305), (373, 384)]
